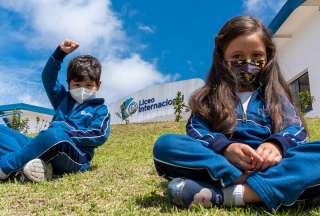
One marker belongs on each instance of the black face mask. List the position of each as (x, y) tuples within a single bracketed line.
[(247, 74)]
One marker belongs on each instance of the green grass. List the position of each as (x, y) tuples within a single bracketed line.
[(123, 181)]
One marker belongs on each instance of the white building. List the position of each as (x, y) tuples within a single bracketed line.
[(153, 103), (38, 117), (296, 31)]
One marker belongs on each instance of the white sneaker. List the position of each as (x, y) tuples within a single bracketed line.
[(37, 170)]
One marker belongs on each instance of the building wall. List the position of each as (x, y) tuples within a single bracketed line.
[(301, 53), (155, 103), (37, 126), (34, 125)]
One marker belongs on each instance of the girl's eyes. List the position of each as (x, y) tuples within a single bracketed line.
[(237, 56), (257, 56), (260, 62)]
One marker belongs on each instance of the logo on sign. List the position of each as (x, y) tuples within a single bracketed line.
[(130, 107)]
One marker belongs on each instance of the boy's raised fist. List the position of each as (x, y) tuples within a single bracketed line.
[(68, 46)]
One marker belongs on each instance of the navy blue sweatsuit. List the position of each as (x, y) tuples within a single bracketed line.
[(73, 134), (198, 155)]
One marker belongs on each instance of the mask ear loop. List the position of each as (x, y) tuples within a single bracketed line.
[(227, 66), (263, 71)]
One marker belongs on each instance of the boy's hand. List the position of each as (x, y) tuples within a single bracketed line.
[(242, 156), (68, 46), (271, 153)]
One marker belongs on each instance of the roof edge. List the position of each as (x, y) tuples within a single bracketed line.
[(283, 14), (28, 107)]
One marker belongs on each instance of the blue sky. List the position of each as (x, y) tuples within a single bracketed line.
[(140, 43)]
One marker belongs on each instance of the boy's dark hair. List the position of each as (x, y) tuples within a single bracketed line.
[(84, 67)]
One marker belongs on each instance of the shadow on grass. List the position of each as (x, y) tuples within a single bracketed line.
[(156, 200), (93, 167)]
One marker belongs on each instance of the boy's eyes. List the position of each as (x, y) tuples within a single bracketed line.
[(81, 85)]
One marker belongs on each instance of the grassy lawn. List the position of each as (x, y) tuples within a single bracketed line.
[(123, 181)]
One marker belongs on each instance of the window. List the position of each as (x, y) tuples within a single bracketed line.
[(300, 88)]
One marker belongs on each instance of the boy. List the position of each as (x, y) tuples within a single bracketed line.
[(80, 124)]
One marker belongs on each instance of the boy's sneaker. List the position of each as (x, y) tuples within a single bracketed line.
[(185, 192), (37, 170)]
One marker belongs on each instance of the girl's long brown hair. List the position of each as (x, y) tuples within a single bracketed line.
[(216, 100)]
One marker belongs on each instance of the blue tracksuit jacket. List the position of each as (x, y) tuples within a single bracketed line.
[(88, 125), (253, 127)]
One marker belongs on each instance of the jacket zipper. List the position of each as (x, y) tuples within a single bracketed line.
[(244, 114)]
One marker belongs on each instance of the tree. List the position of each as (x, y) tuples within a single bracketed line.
[(179, 106), (18, 123), (24, 125), (38, 121), (306, 100)]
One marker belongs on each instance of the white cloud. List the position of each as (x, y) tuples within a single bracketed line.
[(146, 28), (263, 9), (128, 75), (98, 30), (13, 91), (18, 87), (92, 23), (28, 99)]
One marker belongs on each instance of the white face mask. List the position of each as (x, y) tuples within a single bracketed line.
[(82, 94)]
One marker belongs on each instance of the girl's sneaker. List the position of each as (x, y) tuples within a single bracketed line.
[(185, 192), (37, 170)]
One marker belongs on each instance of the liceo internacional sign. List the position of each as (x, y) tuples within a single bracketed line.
[(154, 103)]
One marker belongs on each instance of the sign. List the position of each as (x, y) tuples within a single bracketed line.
[(154, 103)]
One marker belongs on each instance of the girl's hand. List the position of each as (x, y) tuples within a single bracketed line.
[(68, 46), (271, 153), (242, 156)]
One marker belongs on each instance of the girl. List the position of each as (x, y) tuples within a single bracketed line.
[(245, 141)]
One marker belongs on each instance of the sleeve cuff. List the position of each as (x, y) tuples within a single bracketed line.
[(59, 54), (219, 144), (282, 141)]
